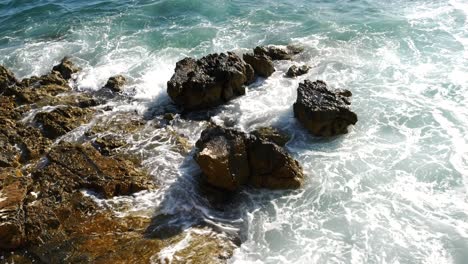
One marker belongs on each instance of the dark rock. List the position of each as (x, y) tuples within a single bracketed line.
[(230, 159), (209, 81), (7, 79), (295, 71), (53, 78), (271, 167), (262, 64), (13, 189), (271, 134), (62, 120), (321, 111), (294, 49), (66, 68), (116, 83), (273, 52)]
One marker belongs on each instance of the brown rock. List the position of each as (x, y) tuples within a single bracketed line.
[(229, 159), (271, 134), (13, 188), (275, 53), (62, 120), (116, 83), (66, 68), (262, 64), (7, 79)]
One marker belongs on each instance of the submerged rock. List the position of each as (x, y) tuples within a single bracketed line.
[(295, 71), (209, 81), (66, 68), (262, 64), (62, 120), (230, 159), (116, 83), (321, 111)]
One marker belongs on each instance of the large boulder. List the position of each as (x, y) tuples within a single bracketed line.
[(66, 68), (209, 81), (229, 159), (321, 111), (262, 64), (223, 157)]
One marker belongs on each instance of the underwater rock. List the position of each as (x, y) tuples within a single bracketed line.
[(321, 111), (66, 68), (262, 64), (209, 81), (116, 83), (230, 159), (295, 71), (61, 120)]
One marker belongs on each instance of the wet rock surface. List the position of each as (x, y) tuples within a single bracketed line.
[(209, 81), (61, 120), (277, 53), (116, 83), (322, 111), (295, 71), (66, 68), (230, 159), (262, 64)]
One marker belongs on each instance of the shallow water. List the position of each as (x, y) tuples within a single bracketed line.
[(393, 190)]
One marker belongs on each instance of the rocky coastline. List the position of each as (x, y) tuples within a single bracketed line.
[(47, 214)]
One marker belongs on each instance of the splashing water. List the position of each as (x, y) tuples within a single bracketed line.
[(393, 190)]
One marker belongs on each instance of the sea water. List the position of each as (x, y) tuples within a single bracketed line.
[(392, 190)]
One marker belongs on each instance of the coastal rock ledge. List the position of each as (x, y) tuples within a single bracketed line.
[(323, 112), (209, 81), (230, 159)]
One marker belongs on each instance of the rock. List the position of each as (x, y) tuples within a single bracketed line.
[(271, 134), (321, 111), (295, 71), (61, 120), (275, 53), (73, 167), (262, 64), (209, 81), (53, 78), (116, 83), (30, 95), (107, 144), (8, 108), (7, 79), (82, 100), (271, 167), (13, 189), (20, 142), (230, 159), (66, 68), (222, 156)]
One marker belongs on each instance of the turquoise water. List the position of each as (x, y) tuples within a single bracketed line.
[(393, 190)]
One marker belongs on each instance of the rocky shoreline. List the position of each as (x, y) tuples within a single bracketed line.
[(46, 214)]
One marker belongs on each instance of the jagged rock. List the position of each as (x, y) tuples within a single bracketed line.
[(62, 120), (271, 167), (8, 108), (275, 53), (82, 100), (271, 134), (72, 167), (222, 156), (13, 189), (321, 111), (262, 64), (295, 71), (107, 144), (54, 78), (24, 143), (66, 68), (230, 159), (209, 81), (7, 79), (116, 83)]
